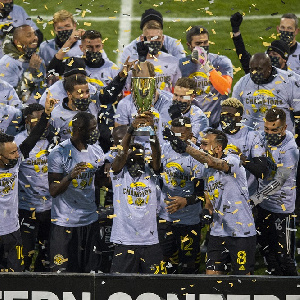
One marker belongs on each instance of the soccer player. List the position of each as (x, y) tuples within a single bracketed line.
[(150, 49), (276, 196), (21, 66), (75, 231), (78, 100), (66, 41), (34, 197), (179, 223), (264, 87), (213, 74), (232, 236), (135, 188), (170, 45), (288, 30), (12, 16), (11, 257), (182, 106), (278, 51), (243, 141)]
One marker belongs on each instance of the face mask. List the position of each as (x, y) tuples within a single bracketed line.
[(94, 58), (8, 7), (154, 47), (135, 168), (257, 78), (82, 103), (182, 105), (206, 48), (64, 35), (275, 61), (94, 136), (286, 36), (11, 162), (28, 52), (228, 124), (273, 138)]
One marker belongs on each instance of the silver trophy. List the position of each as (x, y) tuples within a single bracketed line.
[(143, 92)]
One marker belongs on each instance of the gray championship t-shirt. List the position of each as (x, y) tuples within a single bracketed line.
[(228, 193), (76, 206)]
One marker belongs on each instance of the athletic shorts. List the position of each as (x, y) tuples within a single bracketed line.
[(180, 244), (138, 259), (11, 256), (75, 249), (239, 251)]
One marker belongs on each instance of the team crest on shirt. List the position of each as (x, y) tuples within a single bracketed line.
[(7, 182), (59, 259), (138, 193)]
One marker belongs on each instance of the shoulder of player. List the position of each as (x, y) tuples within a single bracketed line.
[(165, 95), (47, 44), (19, 9), (63, 148), (20, 137), (168, 57), (232, 159), (132, 45), (13, 63), (289, 143)]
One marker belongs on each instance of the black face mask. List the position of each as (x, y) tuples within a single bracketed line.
[(257, 78), (275, 62), (28, 52), (82, 103), (94, 58), (182, 105), (154, 47), (273, 138), (286, 36), (11, 162), (6, 9), (228, 124), (64, 35), (206, 48), (135, 168), (94, 137)]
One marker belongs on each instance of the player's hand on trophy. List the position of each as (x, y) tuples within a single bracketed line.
[(145, 118)]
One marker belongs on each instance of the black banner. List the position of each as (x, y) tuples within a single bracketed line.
[(33, 286)]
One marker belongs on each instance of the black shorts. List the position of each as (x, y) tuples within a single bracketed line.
[(239, 251), (35, 229), (138, 259), (277, 240), (11, 257), (180, 243), (75, 249)]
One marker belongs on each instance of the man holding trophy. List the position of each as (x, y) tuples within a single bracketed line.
[(135, 183)]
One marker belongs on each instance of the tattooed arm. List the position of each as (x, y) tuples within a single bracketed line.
[(205, 158)]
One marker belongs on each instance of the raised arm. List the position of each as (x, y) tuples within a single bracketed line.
[(36, 133)]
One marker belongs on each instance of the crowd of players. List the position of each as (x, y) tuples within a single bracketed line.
[(85, 189)]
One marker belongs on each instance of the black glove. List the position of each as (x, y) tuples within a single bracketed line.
[(175, 111), (142, 51), (176, 143), (205, 216), (236, 21)]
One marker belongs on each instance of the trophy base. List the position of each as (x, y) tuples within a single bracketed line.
[(144, 131)]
